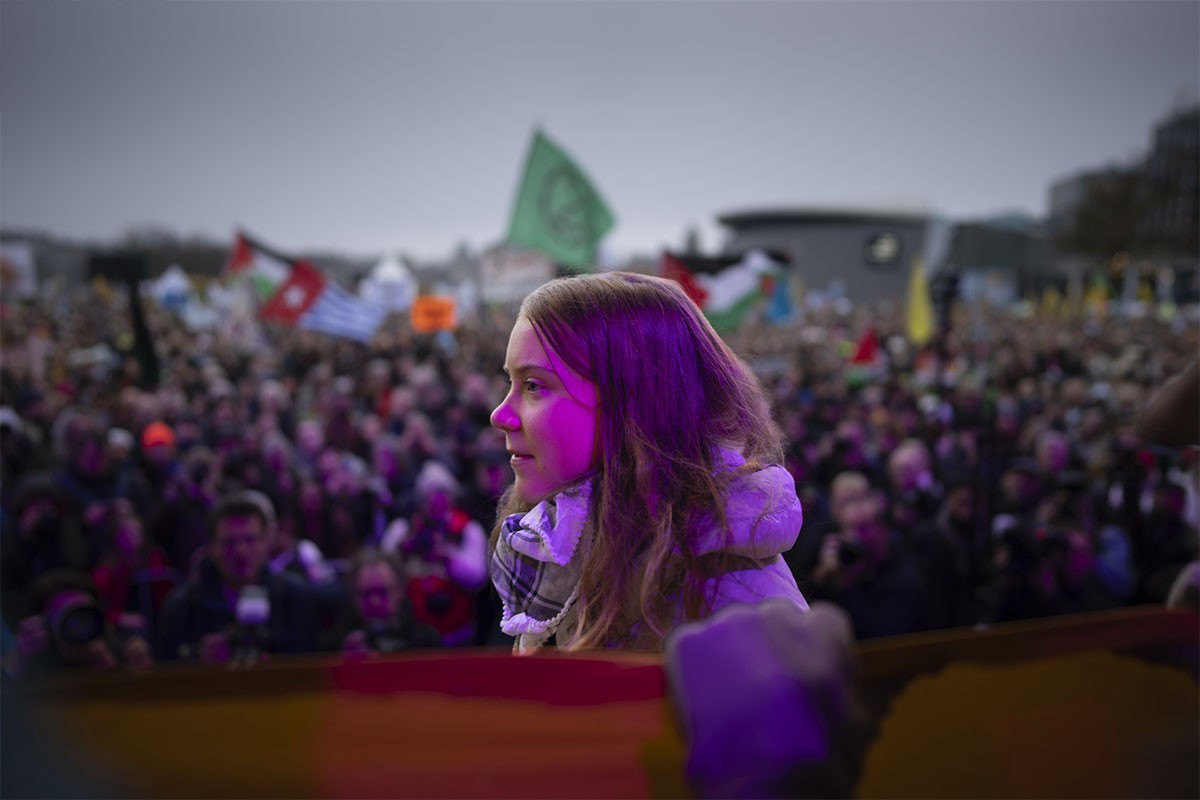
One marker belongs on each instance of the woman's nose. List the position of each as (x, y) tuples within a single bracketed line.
[(504, 418)]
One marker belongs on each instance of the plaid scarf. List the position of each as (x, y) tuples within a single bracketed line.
[(535, 569)]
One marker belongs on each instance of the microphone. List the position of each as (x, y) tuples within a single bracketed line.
[(250, 635)]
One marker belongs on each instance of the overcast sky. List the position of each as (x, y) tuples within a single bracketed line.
[(366, 127)]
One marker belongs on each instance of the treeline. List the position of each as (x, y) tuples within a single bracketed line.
[(199, 255)]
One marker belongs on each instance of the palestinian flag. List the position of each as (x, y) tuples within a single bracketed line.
[(865, 363), (727, 288), (265, 268), (867, 349)]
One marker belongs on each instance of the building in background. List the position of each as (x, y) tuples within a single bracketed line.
[(1135, 222), (1000, 259), (864, 255), (1168, 193)]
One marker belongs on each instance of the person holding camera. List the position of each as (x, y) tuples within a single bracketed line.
[(862, 568), (70, 631), (379, 618), (914, 493), (235, 609), (40, 534), (952, 561), (176, 523), (87, 477), (132, 575)]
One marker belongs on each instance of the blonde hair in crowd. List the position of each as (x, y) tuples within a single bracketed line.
[(672, 395)]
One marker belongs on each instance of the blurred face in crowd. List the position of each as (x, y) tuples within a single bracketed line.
[(239, 549), (1093, 424), (849, 493), (862, 513), (311, 499), (491, 478), (329, 465), (384, 460), (285, 535), (549, 417), (127, 537), (1054, 452), (437, 503), (272, 396), (311, 436), (1078, 562), (187, 434), (419, 432), (371, 427), (1169, 500), (850, 436), (224, 414), (88, 448), (960, 506), (40, 518), (1018, 486), (475, 390), (159, 453), (909, 468), (378, 371), (400, 402), (118, 447), (276, 456), (379, 592)]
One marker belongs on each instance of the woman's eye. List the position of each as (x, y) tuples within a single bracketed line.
[(532, 387)]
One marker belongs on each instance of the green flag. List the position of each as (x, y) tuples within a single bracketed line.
[(558, 211)]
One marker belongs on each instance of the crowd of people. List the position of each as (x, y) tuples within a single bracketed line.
[(176, 495)]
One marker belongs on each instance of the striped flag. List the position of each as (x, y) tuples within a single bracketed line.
[(309, 301)]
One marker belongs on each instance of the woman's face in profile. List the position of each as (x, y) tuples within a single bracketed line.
[(548, 417)]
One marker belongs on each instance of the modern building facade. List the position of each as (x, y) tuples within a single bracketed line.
[(866, 254), (1169, 189), (1144, 216)]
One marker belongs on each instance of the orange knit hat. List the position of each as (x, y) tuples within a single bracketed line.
[(158, 433)]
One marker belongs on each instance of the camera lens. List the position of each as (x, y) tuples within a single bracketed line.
[(79, 625), (849, 552)]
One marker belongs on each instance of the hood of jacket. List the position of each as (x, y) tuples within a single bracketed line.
[(763, 514)]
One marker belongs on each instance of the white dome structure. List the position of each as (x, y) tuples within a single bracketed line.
[(389, 284)]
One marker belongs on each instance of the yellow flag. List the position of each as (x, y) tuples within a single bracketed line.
[(102, 289), (1145, 292), (1096, 299), (919, 308), (1051, 302)]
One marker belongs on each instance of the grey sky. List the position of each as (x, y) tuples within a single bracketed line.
[(402, 126)]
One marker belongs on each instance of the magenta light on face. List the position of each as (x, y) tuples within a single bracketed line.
[(548, 417)]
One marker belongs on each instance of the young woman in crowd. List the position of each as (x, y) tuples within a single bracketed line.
[(648, 487)]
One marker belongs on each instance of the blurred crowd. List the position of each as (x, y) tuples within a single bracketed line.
[(177, 495)]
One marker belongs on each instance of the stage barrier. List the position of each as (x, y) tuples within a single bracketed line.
[(1101, 705)]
